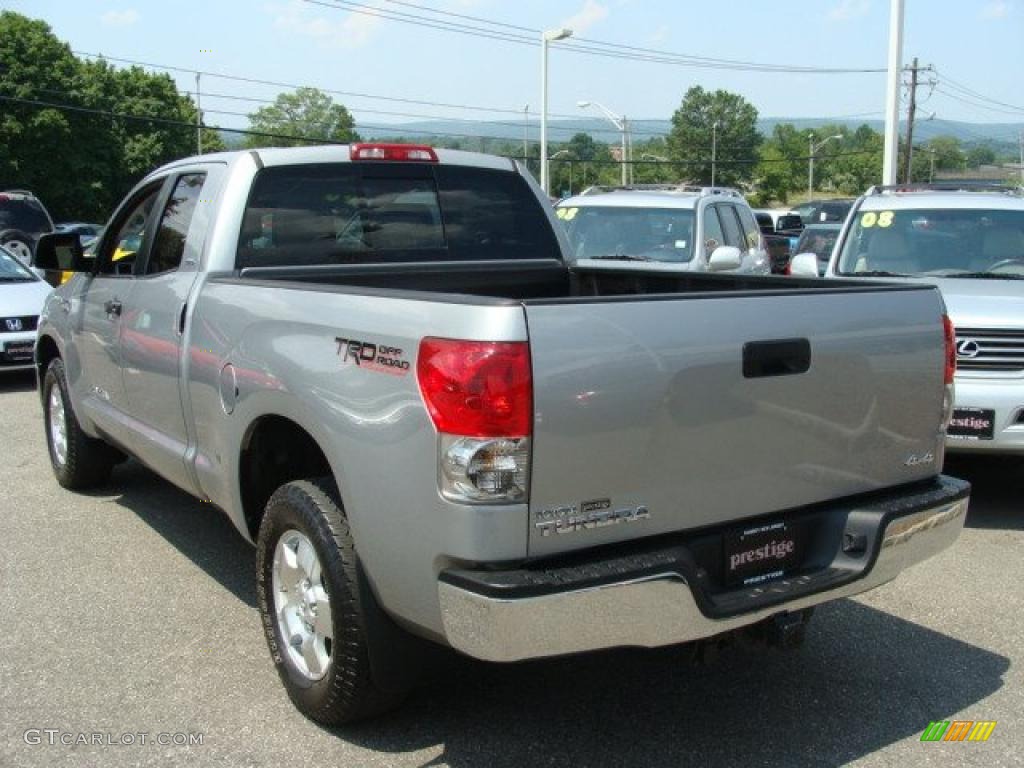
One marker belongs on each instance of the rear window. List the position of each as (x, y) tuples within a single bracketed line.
[(817, 241), (361, 212), (790, 221), (24, 213)]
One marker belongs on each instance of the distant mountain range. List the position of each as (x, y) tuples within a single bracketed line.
[(562, 130)]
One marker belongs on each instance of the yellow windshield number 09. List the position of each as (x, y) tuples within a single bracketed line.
[(882, 219), (566, 214)]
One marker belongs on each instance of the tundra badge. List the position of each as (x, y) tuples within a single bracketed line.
[(586, 515)]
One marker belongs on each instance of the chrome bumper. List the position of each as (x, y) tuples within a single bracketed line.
[(661, 609)]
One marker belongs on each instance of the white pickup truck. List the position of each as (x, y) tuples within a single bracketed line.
[(374, 359)]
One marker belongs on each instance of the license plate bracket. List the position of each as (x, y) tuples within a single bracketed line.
[(972, 423), (761, 553), (19, 350)]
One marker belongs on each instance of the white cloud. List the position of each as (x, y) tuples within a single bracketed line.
[(845, 10), (660, 35), (590, 14), (997, 9), (350, 30), (123, 18)]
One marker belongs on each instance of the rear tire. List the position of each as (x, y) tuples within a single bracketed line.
[(78, 461), (18, 243), (313, 605)]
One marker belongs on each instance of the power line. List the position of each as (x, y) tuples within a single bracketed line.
[(533, 33), (293, 86), (977, 104), (583, 45), (971, 92)]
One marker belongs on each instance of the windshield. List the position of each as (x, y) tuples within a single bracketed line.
[(945, 242), (23, 213), (658, 234), (12, 269)]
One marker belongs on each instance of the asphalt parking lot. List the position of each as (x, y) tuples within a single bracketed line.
[(132, 610)]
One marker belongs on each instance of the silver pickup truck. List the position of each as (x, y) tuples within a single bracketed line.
[(374, 359)]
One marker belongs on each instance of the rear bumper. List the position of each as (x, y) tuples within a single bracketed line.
[(658, 594)]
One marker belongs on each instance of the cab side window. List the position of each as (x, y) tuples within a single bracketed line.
[(169, 243), (731, 226), (750, 229), (120, 251), (713, 236)]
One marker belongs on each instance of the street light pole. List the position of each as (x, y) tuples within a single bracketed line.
[(810, 159), (890, 162), (546, 38), (714, 150), (199, 118), (526, 133), (622, 125)]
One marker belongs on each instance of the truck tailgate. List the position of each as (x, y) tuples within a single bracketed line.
[(670, 413)]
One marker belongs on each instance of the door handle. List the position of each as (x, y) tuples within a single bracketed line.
[(784, 357), (113, 308)]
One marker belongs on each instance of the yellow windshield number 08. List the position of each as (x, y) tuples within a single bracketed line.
[(882, 219)]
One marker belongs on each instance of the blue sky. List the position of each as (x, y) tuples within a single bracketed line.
[(973, 43)]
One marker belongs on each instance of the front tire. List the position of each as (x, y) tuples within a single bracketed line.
[(78, 461), (312, 606)]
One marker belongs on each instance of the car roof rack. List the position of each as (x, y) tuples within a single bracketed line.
[(686, 189), (948, 186), (16, 192)]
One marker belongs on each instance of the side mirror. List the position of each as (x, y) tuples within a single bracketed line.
[(725, 257), (804, 265), (61, 252)]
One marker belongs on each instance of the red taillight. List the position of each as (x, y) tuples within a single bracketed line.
[(477, 388), (950, 333), (416, 153)]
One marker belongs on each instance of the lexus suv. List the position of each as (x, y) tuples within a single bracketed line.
[(673, 228), (968, 239)]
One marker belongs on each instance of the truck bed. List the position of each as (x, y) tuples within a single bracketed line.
[(704, 397)]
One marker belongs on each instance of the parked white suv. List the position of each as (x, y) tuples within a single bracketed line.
[(697, 229), (968, 239)]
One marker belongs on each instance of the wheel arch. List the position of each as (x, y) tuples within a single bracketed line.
[(47, 351), (275, 450)]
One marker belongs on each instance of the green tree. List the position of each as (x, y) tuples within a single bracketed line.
[(947, 152), (980, 155), (105, 130), (690, 140), (307, 113)]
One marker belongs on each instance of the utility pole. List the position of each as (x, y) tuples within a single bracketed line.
[(911, 111), (1020, 143), (199, 118), (911, 108)]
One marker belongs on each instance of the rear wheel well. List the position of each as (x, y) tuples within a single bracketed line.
[(275, 451)]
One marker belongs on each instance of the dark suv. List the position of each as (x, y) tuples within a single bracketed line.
[(22, 220), (825, 211)]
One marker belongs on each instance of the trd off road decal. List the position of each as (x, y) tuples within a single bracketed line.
[(372, 357)]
